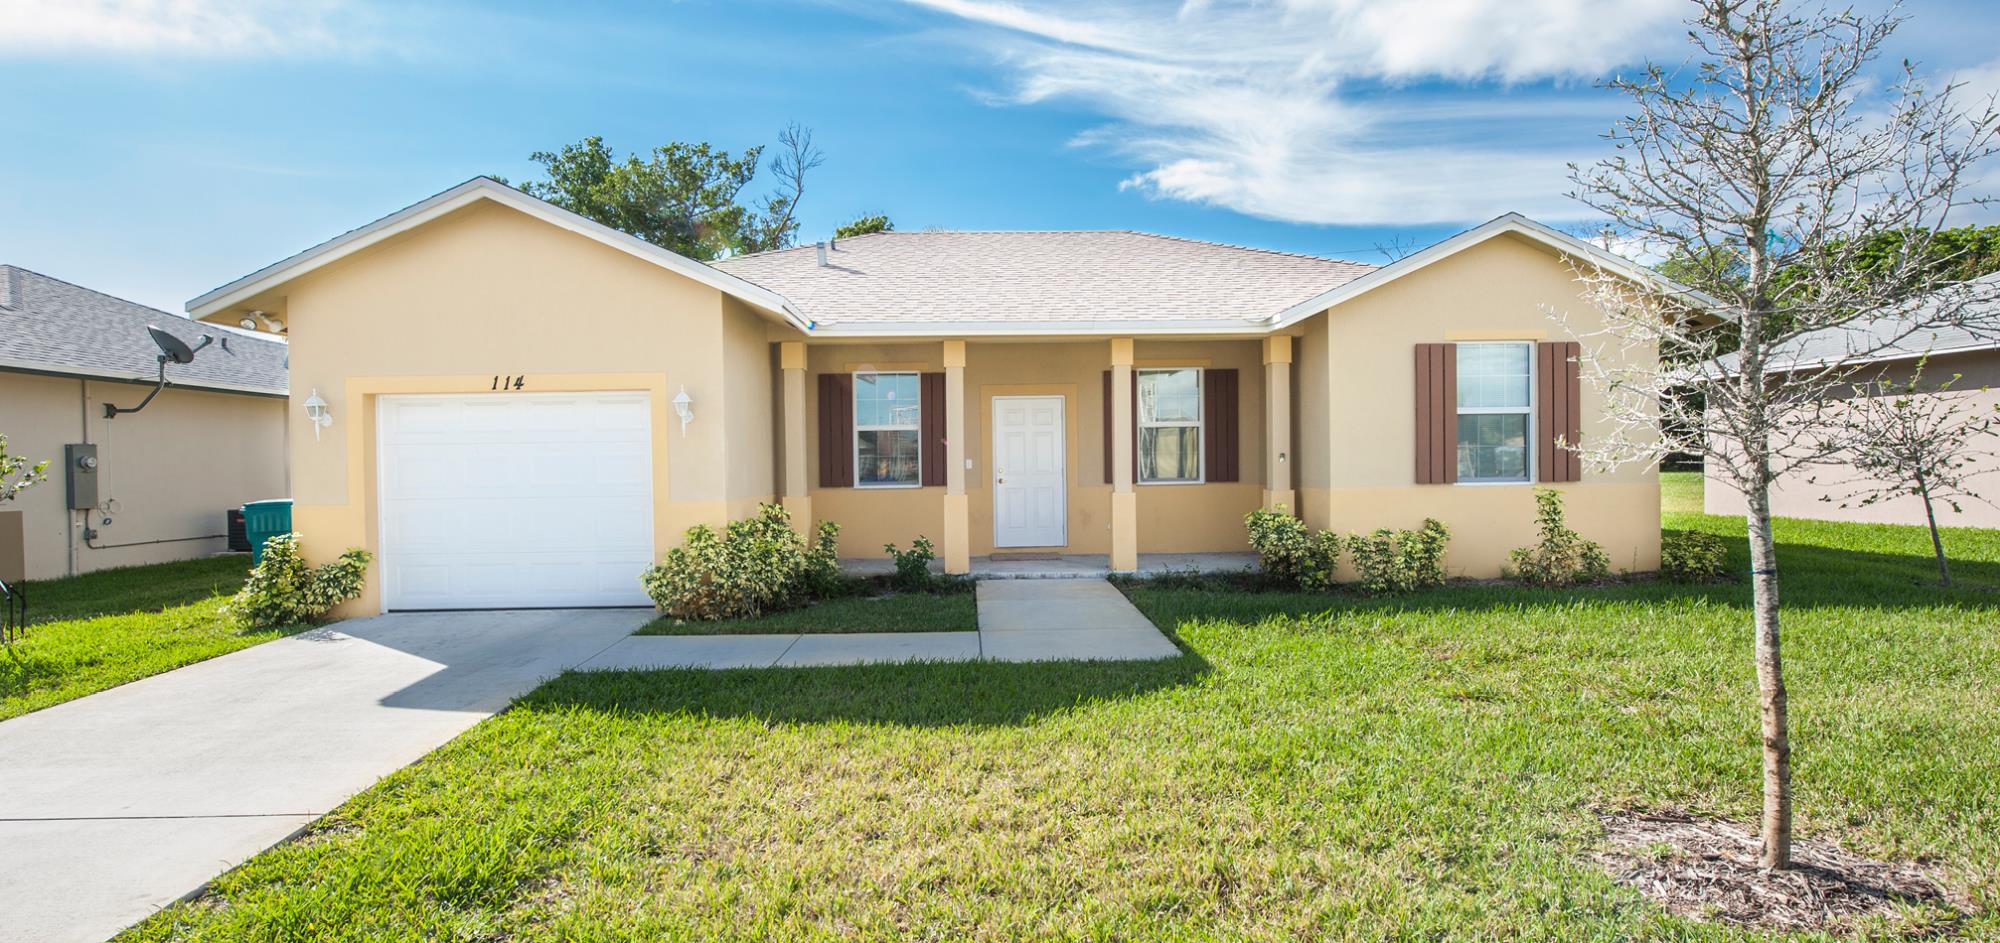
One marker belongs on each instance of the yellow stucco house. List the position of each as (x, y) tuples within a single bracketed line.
[(512, 405)]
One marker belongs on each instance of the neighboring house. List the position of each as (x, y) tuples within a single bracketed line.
[(1970, 352), (165, 477), (505, 385)]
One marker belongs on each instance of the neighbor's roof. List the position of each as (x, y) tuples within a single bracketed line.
[(924, 281), (51, 326), (1905, 334)]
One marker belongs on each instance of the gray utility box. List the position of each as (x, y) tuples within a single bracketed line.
[(80, 474)]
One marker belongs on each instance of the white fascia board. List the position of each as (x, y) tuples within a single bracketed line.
[(1042, 328), (465, 194), (1513, 223)]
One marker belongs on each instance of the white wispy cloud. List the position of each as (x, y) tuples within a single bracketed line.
[(1300, 110), (193, 28)]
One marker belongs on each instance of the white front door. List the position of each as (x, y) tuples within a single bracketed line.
[(1030, 487), (515, 500)]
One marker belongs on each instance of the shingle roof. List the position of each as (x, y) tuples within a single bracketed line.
[(1020, 278), (49, 325), (1902, 335)]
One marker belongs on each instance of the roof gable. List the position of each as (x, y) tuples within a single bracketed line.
[(463, 195)]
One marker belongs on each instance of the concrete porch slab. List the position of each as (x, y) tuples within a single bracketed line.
[(1072, 566)]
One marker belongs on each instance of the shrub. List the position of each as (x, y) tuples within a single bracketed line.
[(913, 566), (284, 590), (1693, 557), (822, 571), (756, 565), (1290, 552), (1561, 557), (1400, 561)]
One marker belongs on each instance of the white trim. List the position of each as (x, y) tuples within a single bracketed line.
[(1528, 444), (459, 197), (1512, 223), (854, 416), (1200, 425)]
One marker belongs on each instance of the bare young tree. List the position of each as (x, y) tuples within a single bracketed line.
[(16, 475), (1911, 439), (1777, 149), (777, 225)]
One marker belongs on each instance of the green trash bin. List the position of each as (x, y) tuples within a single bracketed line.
[(263, 520)]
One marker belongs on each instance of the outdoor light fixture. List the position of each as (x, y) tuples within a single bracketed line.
[(172, 350), (684, 408), (317, 413), (250, 321)]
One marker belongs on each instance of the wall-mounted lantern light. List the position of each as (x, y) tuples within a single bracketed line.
[(684, 408), (317, 413)]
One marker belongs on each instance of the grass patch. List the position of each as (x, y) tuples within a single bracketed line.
[(100, 630), (1428, 768), (877, 610), (1680, 492)]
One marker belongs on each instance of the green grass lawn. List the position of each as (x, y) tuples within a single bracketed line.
[(1315, 767), (100, 630), (1680, 492), (900, 612)]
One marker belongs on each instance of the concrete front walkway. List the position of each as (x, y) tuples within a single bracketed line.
[(1019, 620), (116, 804)]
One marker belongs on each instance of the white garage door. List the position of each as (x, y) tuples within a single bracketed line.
[(514, 500)]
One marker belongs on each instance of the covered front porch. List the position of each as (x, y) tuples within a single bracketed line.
[(1073, 566), (1039, 456)]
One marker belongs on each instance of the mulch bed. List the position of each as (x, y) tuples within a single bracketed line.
[(1705, 869)]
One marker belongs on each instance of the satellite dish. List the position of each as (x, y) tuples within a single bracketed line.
[(171, 348)]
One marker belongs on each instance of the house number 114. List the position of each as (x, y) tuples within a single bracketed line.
[(509, 382)]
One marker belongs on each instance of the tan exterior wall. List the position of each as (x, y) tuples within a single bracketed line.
[(1172, 518), (1497, 290), (1800, 494), (488, 292), (169, 472)]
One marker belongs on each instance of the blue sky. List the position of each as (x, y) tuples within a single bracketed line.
[(157, 148)]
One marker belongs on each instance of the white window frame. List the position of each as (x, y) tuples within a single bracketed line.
[(1200, 425), (1528, 462), (854, 447)]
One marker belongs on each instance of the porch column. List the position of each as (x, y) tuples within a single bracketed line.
[(792, 364), (1278, 423), (957, 507), (1124, 503)]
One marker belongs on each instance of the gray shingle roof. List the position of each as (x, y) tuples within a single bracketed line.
[(1904, 334), (1038, 278), (50, 325)]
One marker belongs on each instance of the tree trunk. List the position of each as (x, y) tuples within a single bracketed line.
[(1777, 825), (1937, 543)]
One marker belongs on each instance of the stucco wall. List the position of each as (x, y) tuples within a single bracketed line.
[(1800, 494), (489, 291), (171, 471), (1172, 518), (1360, 471)]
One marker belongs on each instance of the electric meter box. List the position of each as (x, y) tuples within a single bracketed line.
[(80, 475)]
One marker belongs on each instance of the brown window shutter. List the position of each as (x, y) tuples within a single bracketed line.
[(1558, 402), (1219, 420), (1437, 414), (930, 413), (836, 430)]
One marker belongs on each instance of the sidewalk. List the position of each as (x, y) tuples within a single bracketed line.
[(1019, 620)]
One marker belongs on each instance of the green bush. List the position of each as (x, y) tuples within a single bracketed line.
[(1693, 557), (284, 590), (913, 566), (1560, 557), (822, 571), (1290, 552), (1400, 561), (756, 565)]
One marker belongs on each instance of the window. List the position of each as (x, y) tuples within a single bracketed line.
[(887, 439), (1495, 398), (1170, 425)]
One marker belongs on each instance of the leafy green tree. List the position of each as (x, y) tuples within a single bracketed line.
[(683, 197), (16, 475), (863, 225)]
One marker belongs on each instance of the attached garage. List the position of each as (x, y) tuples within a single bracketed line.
[(514, 500)]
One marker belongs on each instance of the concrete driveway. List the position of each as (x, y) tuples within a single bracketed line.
[(117, 804)]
